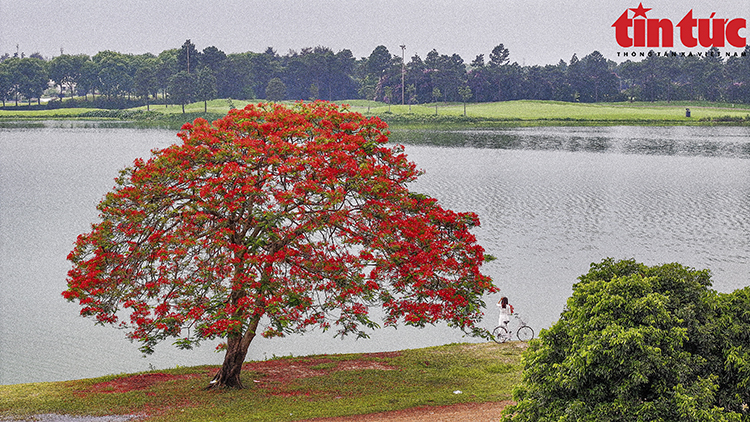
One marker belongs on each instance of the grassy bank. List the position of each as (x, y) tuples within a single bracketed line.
[(287, 389), (448, 115), (520, 113)]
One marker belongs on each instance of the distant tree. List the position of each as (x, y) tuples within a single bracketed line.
[(379, 61), (536, 85), (240, 79), (498, 80), (436, 94), (367, 88), (89, 80), (28, 77), (477, 62), (264, 67), (114, 73), (296, 216), (711, 76), (509, 82), (145, 80), (314, 92), (6, 85), (65, 70), (276, 90), (447, 73), (342, 81), (299, 73), (388, 96), (499, 56), (596, 81), (562, 90), (418, 74), (465, 93), (182, 88), (166, 69), (411, 91), (205, 86), (480, 80), (213, 58), (738, 72), (317, 63), (188, 58)]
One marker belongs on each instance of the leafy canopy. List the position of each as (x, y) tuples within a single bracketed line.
[(640, 343), (295, 216)]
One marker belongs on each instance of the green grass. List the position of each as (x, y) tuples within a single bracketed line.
[(508, 113), (60, 113), (420, 377), (527, 112)]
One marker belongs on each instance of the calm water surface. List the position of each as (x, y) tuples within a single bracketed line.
[(551, 201)]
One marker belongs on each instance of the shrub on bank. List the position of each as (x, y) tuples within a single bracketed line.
[(641, 343)]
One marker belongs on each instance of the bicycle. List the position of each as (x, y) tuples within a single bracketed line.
[(524, 333)]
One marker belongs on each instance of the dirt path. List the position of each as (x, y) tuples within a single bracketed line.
[(465, 412)]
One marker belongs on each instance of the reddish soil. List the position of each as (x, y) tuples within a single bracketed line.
[(275, 374), (280, 372), (136, 382)]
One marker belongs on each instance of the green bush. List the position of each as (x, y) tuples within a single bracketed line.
[(639, 343)]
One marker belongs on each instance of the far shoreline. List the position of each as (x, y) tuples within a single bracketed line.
[(436, 116)]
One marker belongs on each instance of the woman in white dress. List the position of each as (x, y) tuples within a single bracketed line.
[(506, 310)]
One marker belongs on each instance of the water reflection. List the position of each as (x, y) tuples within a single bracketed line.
[(731, 142)]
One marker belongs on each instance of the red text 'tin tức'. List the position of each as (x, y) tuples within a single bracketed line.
[(712, 32)]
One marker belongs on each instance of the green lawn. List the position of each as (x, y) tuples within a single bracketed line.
[(288, 389), (540, 111), (60, 113), (521, 113)]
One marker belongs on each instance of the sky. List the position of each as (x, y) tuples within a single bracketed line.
[(535, 32)]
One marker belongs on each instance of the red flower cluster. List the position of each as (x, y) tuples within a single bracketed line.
[(300, 215)]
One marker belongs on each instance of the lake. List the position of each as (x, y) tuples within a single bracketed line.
[(551, 201)]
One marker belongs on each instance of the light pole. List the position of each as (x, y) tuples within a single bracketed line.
[(403, 71)]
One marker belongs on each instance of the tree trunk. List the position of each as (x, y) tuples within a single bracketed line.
[(229, 374)]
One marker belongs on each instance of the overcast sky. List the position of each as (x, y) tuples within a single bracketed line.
[(535, 31)]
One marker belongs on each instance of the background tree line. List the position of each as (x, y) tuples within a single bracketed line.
[(185, 74)]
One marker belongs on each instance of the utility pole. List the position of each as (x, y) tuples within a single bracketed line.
[(403, 71)]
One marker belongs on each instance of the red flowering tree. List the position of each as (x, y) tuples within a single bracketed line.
[(269, 221)]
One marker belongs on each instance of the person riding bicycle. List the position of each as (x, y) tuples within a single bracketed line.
[(506, 310)]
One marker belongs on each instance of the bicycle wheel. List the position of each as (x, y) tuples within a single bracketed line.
[(500, 334), (525, 333)]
